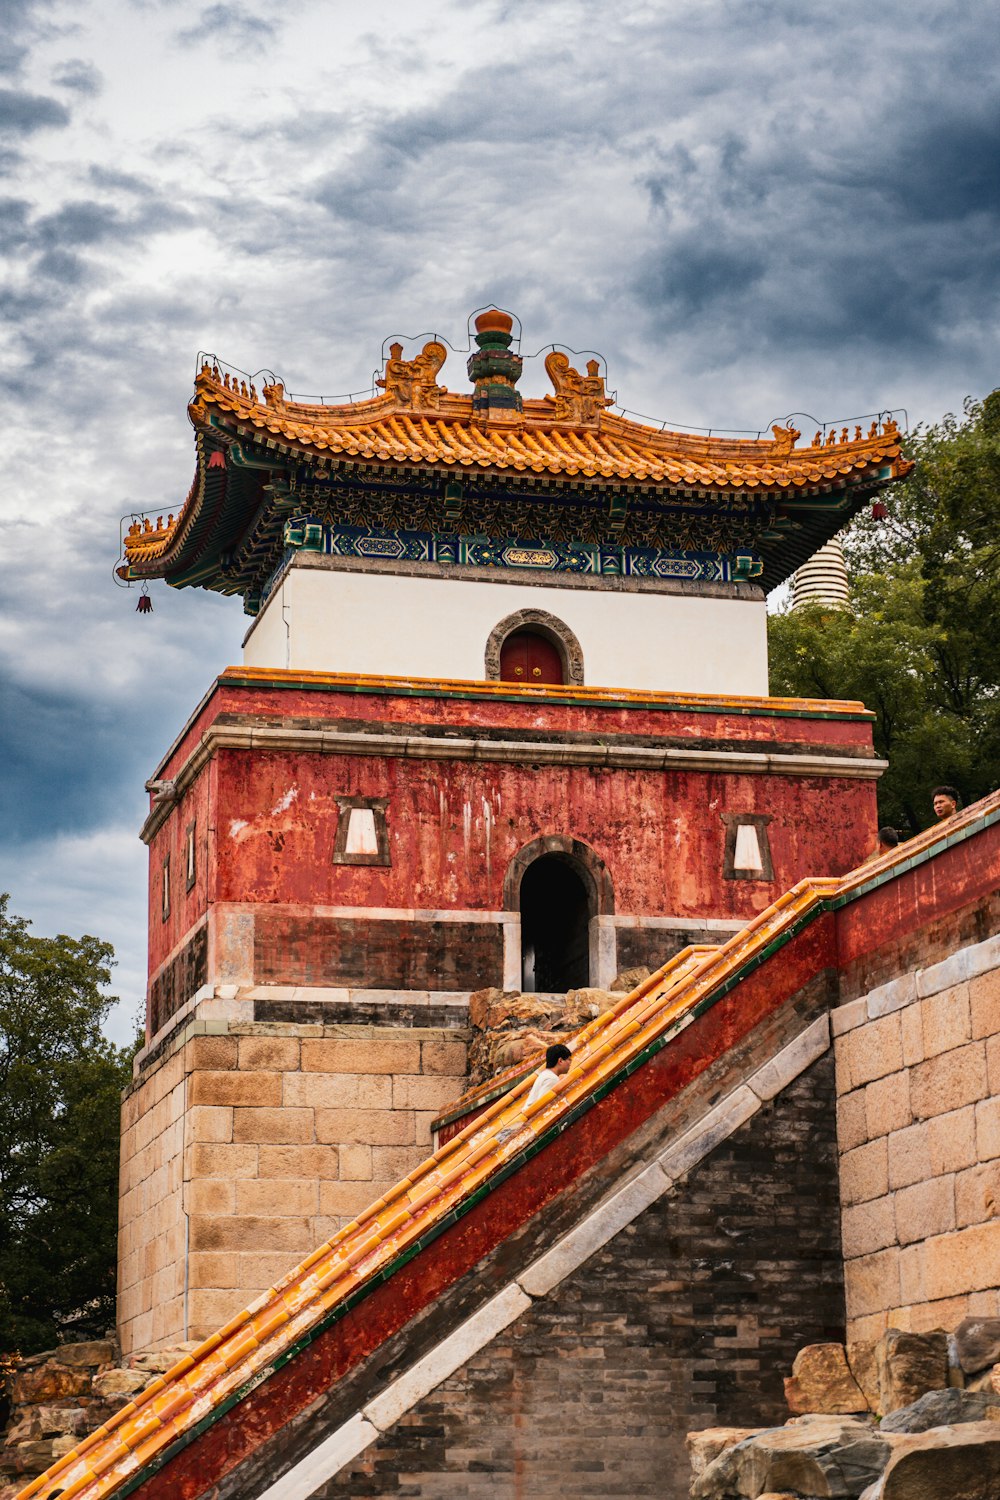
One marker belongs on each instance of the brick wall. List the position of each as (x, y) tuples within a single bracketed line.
[(918, 1081), (688, 1318), (245, 1148)]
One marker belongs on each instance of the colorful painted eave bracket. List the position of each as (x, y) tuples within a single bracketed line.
[(202, 1387)]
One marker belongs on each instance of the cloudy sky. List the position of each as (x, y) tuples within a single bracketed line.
[(749, 207)]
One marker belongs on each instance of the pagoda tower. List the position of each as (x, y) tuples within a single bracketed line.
[(502, 720)]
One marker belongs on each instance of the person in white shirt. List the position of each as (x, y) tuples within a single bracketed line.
[(557, 1061)]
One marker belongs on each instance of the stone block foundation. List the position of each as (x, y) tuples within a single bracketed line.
[(246, 1146), (918, 1120)]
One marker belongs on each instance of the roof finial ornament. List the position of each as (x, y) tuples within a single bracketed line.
[(494, 369), (785, 438), (579, 399), (413, 382)]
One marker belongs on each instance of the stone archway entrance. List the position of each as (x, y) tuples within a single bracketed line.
[(544, 629), (560, 890), (555, 927)]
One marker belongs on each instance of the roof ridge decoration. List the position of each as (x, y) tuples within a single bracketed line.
[(256, 1342), (676, 494), (412, 383)]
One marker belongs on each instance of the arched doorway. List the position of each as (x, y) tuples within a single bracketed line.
[(562, 893), (555, 927), (527, 657), (532, 632)]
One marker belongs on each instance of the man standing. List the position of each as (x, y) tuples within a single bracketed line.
[(946, 802)]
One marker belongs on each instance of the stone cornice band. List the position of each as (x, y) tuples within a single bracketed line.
[(517, 752)]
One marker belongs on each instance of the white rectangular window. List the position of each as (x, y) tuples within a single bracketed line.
[(165, 893), (747, 849), (362, 831), (361, 835)]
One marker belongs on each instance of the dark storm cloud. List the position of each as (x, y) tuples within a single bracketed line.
[(226, 23), (41, 734), (869, 225), (80, 76), (25, 113)]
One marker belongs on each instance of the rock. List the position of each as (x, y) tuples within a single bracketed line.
[(961, 1463), (910, 1364), (989, 1380), (821, 1381), (831, 1456), (158, 1361), (509, 1011), (629, 979), (35, 1458), (481, 1000), (977, 1343), (47, 1384), (943, 1409), (585, 1005), (46, 1422), (112, 1383), (95, 1352), (704, 1447), (864, 1367)]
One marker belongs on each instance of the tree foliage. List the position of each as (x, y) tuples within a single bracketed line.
[(920, 644), (60, 1090)]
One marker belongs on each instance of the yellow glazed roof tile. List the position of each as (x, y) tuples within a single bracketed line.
[(249, 1344), (415, 421)]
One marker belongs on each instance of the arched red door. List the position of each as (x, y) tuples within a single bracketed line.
[(530, 659)]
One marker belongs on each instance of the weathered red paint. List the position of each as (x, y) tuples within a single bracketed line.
[(266, 819)]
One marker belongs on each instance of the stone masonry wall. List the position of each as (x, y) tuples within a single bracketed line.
[(688, 1318), (244, 1147), (918, 1118)]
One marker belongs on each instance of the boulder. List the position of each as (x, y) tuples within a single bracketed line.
[(28, 1459), (47, 1384), (47, 1422), (960, 1463), (821, 1381), (628, 980), (909, 1365), (92, 1354), (585, 1005), (509, 1011), (830, 1456), (989, 1380), (704, 1447), (111, 1384), (977, 1344), (943, 1409), (158, 1361), (480, 1002), (864, 1367)]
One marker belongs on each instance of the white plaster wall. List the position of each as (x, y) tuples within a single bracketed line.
[(322, 620)]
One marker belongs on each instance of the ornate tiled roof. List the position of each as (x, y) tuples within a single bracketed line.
[(338, 1275), (418, 425)]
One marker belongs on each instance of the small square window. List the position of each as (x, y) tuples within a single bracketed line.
[(165, 891), (748, 849), (362, 832), (190, 856)]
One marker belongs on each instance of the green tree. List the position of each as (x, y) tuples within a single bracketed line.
[(60, 1087), (920, 644)]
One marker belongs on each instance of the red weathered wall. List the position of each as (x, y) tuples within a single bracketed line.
[(267, 819), (455, 826)]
